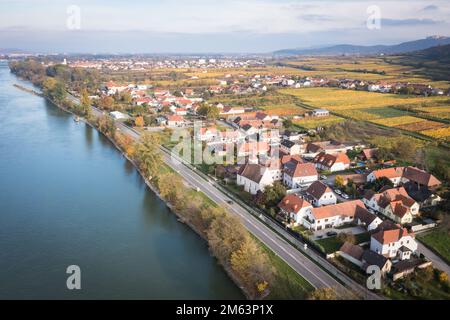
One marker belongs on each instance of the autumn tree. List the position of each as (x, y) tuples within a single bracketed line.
[(252, 266), (105, 102), (339, 181), (139, 121), (323, 294), (148, 155), (106, 125)]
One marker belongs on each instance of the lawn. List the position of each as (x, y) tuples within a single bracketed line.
[(312, 123), (333, 244), (439, 241)]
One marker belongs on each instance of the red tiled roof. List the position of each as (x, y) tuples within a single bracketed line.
[(293, 203)]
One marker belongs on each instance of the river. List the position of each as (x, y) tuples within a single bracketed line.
[(68, 197)]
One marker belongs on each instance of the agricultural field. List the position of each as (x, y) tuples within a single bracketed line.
[(389, 110), (313, 122), (363, 68)]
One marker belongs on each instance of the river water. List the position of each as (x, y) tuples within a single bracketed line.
[(68, 197)]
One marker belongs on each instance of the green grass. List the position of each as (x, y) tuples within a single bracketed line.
[(333, 244), (439, 241), (288, 284)]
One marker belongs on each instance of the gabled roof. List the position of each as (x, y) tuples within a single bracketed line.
[(389, 173), (287, 143), (328, 160), (390, 236), (302, 170), (370, 153), (293, 203), (421, 177), (253, 172), (352, 250), (365, 216), (345, 209), (317, 189), (372, 258)]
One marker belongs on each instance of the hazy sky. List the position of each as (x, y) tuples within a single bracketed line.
[(212, 26)]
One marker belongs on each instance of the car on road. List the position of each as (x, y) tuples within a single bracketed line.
[(331, 233), (230, 201), (337, 191), (323, 177), (345, 196)]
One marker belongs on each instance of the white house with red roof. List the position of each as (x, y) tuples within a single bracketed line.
[(332, 162), (294, 208), (395, 203), (333, 215), (393, 242), (175, 121), (393, 174), (300, 175)]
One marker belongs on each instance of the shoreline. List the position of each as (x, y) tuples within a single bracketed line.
[(152, 188)]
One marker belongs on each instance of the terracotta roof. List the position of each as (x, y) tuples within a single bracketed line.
[(352, 250), (293, 203), (389, 173), (421, 177), (347, 209), (328, 160), (302, 170), (390, 236), (317, 189), (175, 118), (254, 146), (370, 153), (285, 158)]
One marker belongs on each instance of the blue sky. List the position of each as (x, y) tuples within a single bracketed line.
[(213, 26)]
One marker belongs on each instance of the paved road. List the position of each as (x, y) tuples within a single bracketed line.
[(294, 257)]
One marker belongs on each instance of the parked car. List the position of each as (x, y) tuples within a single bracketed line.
[(345, 196), (230, 201), (337, 191), (323, 177), (331, 233)]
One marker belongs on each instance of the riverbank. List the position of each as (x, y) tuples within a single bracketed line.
[(92, 123), (289, 284)]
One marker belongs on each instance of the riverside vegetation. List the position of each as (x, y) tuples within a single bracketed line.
[(259, 272)]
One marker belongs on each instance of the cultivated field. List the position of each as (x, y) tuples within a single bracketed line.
[(391, 110)]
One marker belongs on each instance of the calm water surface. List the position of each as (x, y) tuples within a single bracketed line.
[(68, 197)]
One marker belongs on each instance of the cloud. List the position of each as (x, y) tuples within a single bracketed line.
[(408, 22)]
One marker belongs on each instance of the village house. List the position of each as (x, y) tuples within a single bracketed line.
[(320, 113), (402, 175), (176, 121), (300, 175), (393, 174), (207, 134), (319, 194), (367, 219), (332, 162), (293, 136), (254, 178), (290, 147), (368, 154), (252, 148), (332, 147), (371, 258), (394, 203), (393, 242), (294, 208), (333, 215), (229, 111)]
